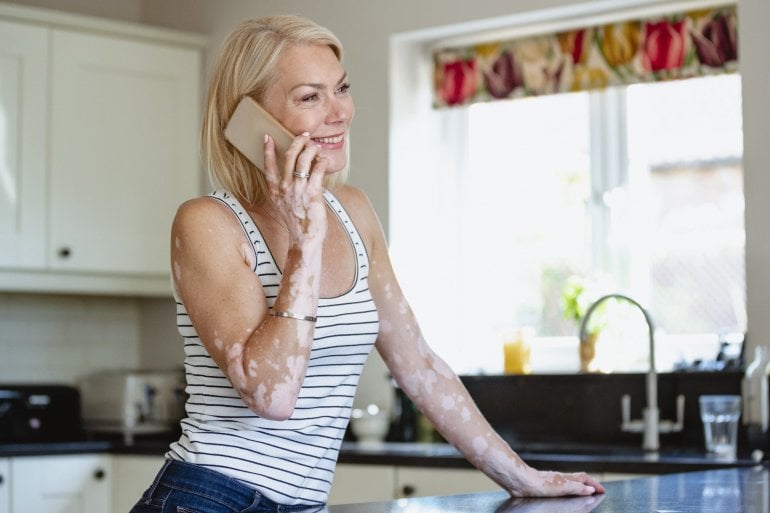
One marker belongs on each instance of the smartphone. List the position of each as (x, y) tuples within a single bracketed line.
[(247, 128)]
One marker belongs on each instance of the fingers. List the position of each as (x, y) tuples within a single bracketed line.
[(298, 162), (300, 157), (301, 161), (555, 484), (583, 484), (590, 481), (271, 165), (296, 190)]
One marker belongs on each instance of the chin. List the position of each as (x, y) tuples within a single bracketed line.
[(337, 163), (336, 176)]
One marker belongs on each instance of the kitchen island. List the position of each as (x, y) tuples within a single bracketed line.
[(564, 457), (732, 490)]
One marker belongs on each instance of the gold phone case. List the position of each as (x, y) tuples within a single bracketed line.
[(247, 128)]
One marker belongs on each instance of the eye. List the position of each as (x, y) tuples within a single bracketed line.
[(344, 88), (310, 98)]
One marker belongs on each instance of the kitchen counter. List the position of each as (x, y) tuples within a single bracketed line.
[(569, 458), (735, 490), (55, 448), (566, 458)]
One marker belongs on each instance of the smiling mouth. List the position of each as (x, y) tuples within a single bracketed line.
[(329, 140)]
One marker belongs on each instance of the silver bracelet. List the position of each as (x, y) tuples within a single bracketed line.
[(292, 315)]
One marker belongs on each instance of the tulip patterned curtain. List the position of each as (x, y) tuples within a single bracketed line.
[(674, 46)]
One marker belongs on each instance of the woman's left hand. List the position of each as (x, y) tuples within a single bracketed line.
[(540, 483)]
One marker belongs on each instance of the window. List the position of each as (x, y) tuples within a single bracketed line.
[(638, 189)]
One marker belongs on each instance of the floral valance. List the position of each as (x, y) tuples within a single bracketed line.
[(681, 45)]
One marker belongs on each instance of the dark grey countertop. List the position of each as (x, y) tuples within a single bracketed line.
[(54, 448), (734, 490), (588, 458), (690, 482)]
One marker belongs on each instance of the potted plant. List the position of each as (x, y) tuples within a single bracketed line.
[(577, 296)]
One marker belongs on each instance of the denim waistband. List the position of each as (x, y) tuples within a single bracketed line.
[(220, 487)]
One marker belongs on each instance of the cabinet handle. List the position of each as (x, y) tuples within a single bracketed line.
[(1, 479), (408, 490), (99, 474), (64, 252)]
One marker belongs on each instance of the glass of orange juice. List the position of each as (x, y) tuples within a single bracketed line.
[(517, 351)]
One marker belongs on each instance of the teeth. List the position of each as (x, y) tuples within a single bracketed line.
[(328, 140)]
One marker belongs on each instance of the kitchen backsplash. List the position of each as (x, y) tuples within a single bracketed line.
[(59, 338), (586, 408)]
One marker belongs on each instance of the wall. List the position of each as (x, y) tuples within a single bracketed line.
[(575, 410), (367, 28), (123, 10), (58, 339)]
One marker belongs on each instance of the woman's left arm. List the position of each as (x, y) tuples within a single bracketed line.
[(435, 389)]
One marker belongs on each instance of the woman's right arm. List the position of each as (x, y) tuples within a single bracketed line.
[(263, 356)]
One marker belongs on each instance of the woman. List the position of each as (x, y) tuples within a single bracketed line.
[(283, 284)]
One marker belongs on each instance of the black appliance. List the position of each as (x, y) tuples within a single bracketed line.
[(39, 413)]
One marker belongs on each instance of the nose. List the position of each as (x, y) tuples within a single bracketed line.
[(340, 111)]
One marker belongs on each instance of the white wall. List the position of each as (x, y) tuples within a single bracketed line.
[(366, 28), (123, 10), (58, 339), (754, 40)]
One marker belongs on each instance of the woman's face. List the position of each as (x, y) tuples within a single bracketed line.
[(310, 94)]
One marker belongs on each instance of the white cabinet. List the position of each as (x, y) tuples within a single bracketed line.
[(60, 484), (23, 114), (131, 476), (5, 485), (121, 127), (362, 483), (365, 483), (98, 147), (424, 481)]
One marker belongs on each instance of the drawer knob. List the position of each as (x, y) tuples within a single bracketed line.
[(64, 252), (99, 474), (408, 490)]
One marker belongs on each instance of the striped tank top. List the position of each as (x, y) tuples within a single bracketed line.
[(291, 462)]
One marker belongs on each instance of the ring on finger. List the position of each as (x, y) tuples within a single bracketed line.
[(300, 175)]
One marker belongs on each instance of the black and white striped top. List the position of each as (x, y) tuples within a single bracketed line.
[(292, 461)]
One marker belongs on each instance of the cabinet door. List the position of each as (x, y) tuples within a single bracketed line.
[(5, 486), (23, 109), (362, 483), (60, 484), (131, 476), (421, 482), (123, 150)]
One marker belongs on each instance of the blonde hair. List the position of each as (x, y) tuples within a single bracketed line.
[(246, 66)]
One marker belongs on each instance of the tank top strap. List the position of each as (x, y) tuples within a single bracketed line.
[(362, 258), (250, 229)]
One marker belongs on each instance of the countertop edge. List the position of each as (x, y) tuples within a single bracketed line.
[(413, 455)]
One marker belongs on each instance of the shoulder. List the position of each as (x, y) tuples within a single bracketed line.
[(202, 207), (203, 215), (355, 201), (361, 211)]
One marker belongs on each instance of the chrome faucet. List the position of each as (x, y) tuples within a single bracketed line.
[(650, 424)]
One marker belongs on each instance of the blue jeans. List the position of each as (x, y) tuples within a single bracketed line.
[(183, 487)]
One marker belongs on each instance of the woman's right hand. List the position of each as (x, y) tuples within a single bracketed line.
[(295, 187)]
